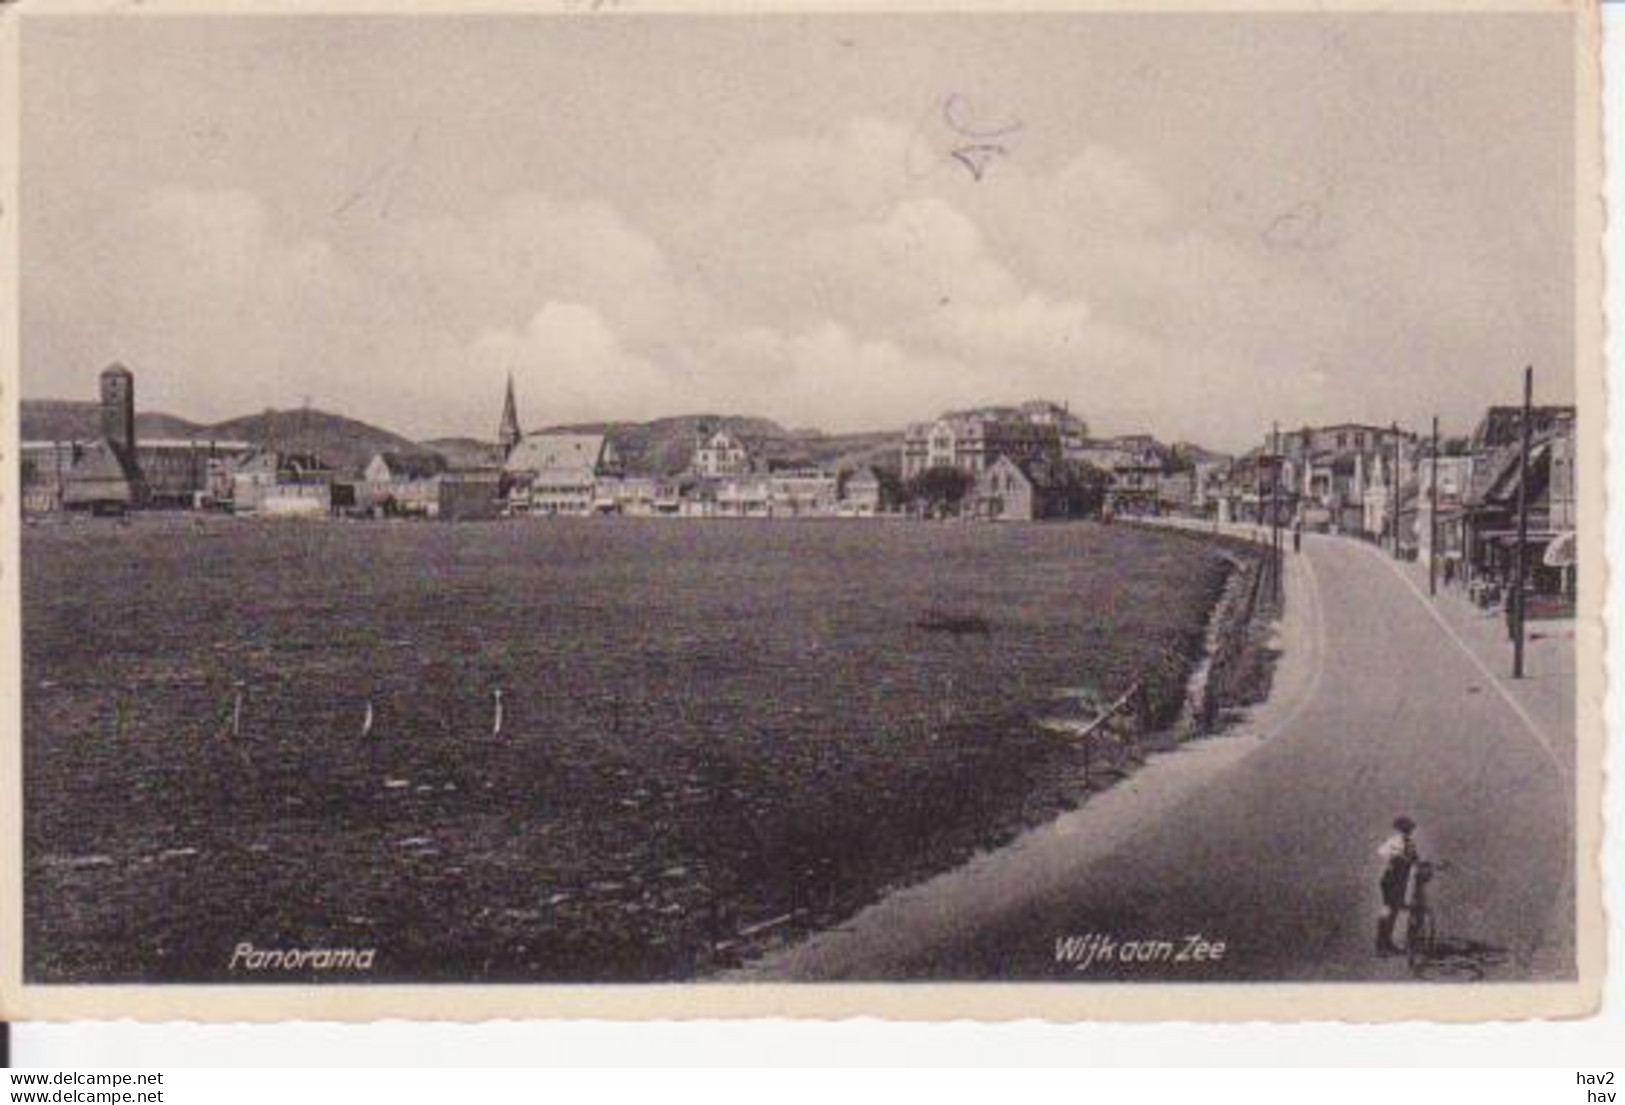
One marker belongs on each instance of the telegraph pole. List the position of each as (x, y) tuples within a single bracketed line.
[(1275, 505), (1258, 497), (1393, 491), (1433, 513), (1516, 598)]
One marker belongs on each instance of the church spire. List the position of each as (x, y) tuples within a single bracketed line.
[(508, 433)]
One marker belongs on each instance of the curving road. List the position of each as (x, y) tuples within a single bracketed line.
[(1265, 840)]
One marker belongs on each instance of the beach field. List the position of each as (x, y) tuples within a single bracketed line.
[(714, 737)]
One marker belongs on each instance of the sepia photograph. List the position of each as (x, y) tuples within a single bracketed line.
[(1070, 513)]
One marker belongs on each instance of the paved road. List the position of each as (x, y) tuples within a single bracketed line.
[(1393, 708)]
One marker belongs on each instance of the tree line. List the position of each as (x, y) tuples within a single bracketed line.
[(1077, 487)]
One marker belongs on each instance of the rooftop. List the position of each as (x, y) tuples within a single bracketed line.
[(557, 452)]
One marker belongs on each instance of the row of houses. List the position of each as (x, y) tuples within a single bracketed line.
[(548, 474), (1365, 481), (1036, 460), (581, 474), (1331, 479), (1378, 484), (1032, 461), (1478, 491), (1029, 462), (553, 473), (114, 471), (972, 441)]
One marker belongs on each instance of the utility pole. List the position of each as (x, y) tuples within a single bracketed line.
[(1433, 513), (1516, 598), (1393, 491), (1275, 506), (1258, 497)]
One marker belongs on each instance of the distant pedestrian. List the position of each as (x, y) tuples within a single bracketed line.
[(1297, 538), (1398, 854)]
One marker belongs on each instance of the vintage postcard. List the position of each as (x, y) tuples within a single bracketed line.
[(679, 510)]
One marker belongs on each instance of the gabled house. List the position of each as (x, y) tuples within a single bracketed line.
[(405, 482), (279, 484), (1454, 475), (103, 478), (1135, 488), (972, 440), (103, 474), (721, 454), (1006, 491), (636, 496), (1134, 468), (739, 497), (860, 493), (557, 473), (1489, 516), (1028, 491), (1177, 492), (801, 492), (1336, 477)]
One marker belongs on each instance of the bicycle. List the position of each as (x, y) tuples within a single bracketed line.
[(1431, 956)]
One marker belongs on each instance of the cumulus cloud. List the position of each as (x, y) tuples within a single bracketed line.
[(574, 367), (809, 376), (825, 279), (494, 268), (1125, 239), (849, 173), (210, 302), (923, 254), (843, 280)]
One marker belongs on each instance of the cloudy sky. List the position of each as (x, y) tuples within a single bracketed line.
[(1191, 225)]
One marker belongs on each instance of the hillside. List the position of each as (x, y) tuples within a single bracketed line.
[(873, 450), (663, 447), (345, 443), (1192, 453), (74, 420), (464, 452)]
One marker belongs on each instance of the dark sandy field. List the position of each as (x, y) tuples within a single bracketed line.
[(716, 735)]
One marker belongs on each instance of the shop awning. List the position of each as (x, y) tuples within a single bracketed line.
[(1563, 551), (1512, 534)]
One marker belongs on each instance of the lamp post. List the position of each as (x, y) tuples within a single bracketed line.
[(1520, 554), (1433, 512), (1275, 507), (1393, 491)]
